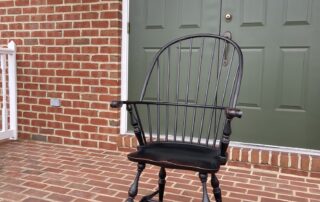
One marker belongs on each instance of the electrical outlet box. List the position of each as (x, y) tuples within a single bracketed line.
[(55, 102)]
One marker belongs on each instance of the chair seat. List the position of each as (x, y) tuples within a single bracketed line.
[(179, 156)]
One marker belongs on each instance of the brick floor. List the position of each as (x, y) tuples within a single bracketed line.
[(40, 172)]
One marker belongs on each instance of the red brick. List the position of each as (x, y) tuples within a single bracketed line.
[(29, 10), (64, 133), (100, 58), (48, 9), (115, 58), (307, 195), (54, 33), (99, 137), (108, 82), (87, 143), (82, 194), (34, 185), (11, 197), (36, 193), (275, 158), (73, 96), (56, 189), (111, 14), (111, 33), (255, 156), (111, 50), (80, 135), (6, 4), (294, 159), (315, 166), (305, 162), (38, 2), (264, 157), (14, 11), (235, 154), (244, 196), (54, 2), (89, 128), (263, 199), (63, 25), (71, 126), (100, 24), (36, 18), (108, 146), (107, 198), (267, 167), (90, 15), (294, 172), (99, 7), (71, 141), (60, 197), (97, 121), (53, 139), (71, 16)]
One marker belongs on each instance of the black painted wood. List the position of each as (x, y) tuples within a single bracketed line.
[(216, 189), (133, 191), (148, 198), (162, 183), (203, 178)]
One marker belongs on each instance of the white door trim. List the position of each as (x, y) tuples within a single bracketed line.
[(124, 64)]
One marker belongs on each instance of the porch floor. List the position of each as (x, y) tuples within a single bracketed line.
[(40, 172)]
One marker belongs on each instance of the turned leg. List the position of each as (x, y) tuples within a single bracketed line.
[(216, 188), (203, 178), (133, 191), (162, 183), (160, 190)]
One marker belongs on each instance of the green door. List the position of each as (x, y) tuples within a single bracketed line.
[(280, 89), (280, 93)]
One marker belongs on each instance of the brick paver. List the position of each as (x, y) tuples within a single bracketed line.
[(40, 172)]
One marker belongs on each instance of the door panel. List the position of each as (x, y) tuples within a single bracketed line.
[(192, 19), (297, 12), (253, 12), (281, 72), (155, 17), (292, 79)]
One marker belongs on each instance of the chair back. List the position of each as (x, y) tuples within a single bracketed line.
[(189, 83)]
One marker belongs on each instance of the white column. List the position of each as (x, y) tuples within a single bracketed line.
[(12, 72)]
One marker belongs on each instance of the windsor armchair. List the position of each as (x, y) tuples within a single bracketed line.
[(183, 117)]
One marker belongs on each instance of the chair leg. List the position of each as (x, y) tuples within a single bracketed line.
[(133, 191), (160, 190), (203, 178), (216, 188), (162, 183)]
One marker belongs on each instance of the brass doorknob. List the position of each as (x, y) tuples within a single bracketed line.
[(228, 17)]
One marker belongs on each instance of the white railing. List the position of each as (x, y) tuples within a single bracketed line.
[(9, 101)]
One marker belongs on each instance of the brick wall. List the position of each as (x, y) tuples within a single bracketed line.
[(66, 49)]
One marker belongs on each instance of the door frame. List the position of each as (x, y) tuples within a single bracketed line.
[(124, 65)]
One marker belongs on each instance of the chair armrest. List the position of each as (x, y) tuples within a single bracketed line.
[(119, 103), (116, 104), (233, 112)]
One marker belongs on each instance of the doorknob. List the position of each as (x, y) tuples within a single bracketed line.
[(228, 17), (226, 34)]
